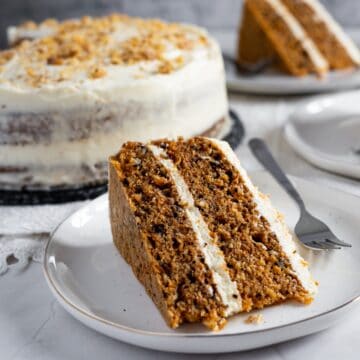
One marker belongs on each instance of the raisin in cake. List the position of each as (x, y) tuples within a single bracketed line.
[(300, 35), (204, 242), (71, 91)]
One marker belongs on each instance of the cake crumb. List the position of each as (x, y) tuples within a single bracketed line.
[(97, 72), (304, 263), (255, 319)]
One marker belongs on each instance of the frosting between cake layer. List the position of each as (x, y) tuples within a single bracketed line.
[(336, 30), (297, 30), (214, 258), (276, 222)]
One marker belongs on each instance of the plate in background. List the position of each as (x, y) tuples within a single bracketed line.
[(326, 132), (273, 82), (93, 283)]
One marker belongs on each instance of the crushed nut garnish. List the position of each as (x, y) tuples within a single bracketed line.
[(76, 45)]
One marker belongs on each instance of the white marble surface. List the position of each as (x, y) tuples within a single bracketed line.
[(34, 326)]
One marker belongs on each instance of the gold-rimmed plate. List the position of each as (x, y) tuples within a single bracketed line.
[(94, 284)]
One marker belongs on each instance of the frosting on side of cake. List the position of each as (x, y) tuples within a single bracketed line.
[(214, 258), (335, 29), (276, 222), (170, 115), (298, 31)]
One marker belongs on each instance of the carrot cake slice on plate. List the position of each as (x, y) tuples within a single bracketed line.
[(200, 237)]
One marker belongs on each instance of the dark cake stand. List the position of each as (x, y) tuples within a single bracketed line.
[(57, 195)]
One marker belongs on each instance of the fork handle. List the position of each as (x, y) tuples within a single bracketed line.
[(263, 154)]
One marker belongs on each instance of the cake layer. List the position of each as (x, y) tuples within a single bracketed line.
[(297, 51), (234, 211), (213, 256), (300, 36), (253, 45), (247, 253), (334, 44), (169, 238)]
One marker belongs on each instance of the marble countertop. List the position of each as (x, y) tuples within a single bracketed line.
[(34, 326)]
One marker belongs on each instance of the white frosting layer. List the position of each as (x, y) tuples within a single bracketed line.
[(214, 258), (171, 122), (125, 82), (277, 224), (335, 29), (298, 31)]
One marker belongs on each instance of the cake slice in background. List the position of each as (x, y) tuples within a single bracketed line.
[(302, 34), (337, 47), (253, 45), (204, 242)]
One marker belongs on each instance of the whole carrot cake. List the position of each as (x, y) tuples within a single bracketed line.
[(299, 35), (200, 237), (71, 91)]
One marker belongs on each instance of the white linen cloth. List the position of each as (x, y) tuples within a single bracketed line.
[(262, 117), (27, 220)]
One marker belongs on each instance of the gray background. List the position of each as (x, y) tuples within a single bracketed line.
[(213, 14)]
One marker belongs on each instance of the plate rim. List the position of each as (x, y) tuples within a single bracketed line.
[(307, 152), (342, 84), (89, 316)]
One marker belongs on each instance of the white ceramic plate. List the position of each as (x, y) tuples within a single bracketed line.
[(92, 281), (326, 132), (273, 82)]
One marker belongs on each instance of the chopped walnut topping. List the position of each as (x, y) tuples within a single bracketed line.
[(166, 67), (76, 45)]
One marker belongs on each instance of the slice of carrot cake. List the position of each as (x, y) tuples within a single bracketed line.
[(200, 237), (299, 35)]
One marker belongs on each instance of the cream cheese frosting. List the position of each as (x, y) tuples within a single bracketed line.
[(72, 83)]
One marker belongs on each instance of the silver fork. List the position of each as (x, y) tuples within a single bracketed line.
[(311, 231)]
